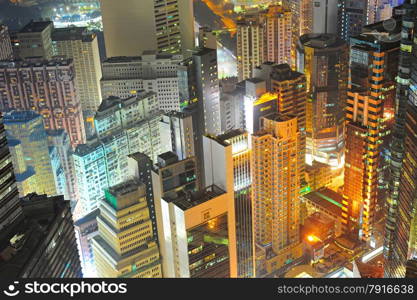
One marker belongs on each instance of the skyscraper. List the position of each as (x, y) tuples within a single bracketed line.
[(290, 87), (241, 152), (275, 194), (324, 16), (125, 246), (27, 127), (369, 90), (250, 44), (10, 208), (162, 25), (85, 230), (196, 227), (47, 87), (43, 244), (6, 51), (81, 46), (279, 35), (398, 219), (323, 58)]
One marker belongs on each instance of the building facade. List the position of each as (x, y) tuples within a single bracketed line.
[(82, 47), (165, 26), (125, 245), (46, 87)]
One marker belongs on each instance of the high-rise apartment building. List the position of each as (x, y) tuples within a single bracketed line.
[(366, 128), (10, 208), (250, 44), (162, 25), (399, 227), (275, 195), (152, 72), (207, 38), (125, 246), (47, 87), (44, 244), (27, 127), (81, 46), (196, 229), (279, 35), (291, 90), (239, 139), (323, 58), (123, 127), (34, 40), (6, 50)]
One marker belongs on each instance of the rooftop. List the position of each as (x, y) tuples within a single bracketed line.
[(87, 218), (190, 199), (36, 26), (327, 199), (72, 33), (321, 41)]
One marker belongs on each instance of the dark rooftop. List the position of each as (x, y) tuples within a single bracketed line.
[(36, 26), (187, 200), (72, 33)]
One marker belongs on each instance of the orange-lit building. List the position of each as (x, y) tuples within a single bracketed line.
[(275, 194), (367, 126)]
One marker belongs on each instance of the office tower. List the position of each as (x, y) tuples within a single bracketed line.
[(411, 270), (59, 139), (366, 128), (152, 72), (44, 244), (24, 174), (207, 89), (27, 127), (290, 87), (34, 40), (251, 40), (275, 195), (10, 208), (239, 139), (182, 133), (279, 35), (123, 127), (81, 46), (207, 38), (354, 15), (324, 16), (6, 51), (86, 229), (165, 26), (125, 246), (323, 58), (398, 221), (196, 228), (46, 87)]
